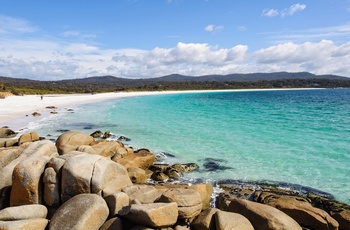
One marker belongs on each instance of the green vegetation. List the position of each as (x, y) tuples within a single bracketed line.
[(173, 82)]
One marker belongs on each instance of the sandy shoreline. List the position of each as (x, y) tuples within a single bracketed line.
[(16, 111)]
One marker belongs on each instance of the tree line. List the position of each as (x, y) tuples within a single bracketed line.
[(45, 87)]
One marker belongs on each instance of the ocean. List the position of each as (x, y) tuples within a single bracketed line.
[(297, 139)]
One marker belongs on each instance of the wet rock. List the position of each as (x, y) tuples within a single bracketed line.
[(123, 138), (36, 114), (185, 167), (51, 107), (106, 135), (7, 133), (62, 130), (242, 191), (159, 167), (96, 134), (159, 176), (173, 173)]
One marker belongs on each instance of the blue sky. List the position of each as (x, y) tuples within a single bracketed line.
[(61, 39)]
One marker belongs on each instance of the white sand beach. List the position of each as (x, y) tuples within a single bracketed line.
[(16, 111)]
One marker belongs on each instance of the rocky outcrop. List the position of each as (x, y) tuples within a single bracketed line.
[(85, 173), (116, 202), (28, 137), (142, 158), (27, 184), (23, 212), (343, 218), (189, 201), (27, 224), (83, 211), (39, 148), (71, 140), (144, 194), (230, 220), (300, 210), (261, 216), (7, 133), (155, 215), (32, 217), (107, 148)]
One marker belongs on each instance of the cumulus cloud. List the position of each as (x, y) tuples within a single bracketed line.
[(213, 28), (55, 60), (48, 58), (285, 12)]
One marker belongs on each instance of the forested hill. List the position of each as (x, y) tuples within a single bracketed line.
[(175, 82)]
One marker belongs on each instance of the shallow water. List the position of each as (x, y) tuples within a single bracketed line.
[(296, 136)]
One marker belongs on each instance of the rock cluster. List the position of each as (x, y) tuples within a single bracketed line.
[(80, 182)]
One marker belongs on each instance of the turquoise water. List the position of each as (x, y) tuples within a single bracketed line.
[(297, 136)]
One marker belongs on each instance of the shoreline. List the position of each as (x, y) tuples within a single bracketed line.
[(16, 111)]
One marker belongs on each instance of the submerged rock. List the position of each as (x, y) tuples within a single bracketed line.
[(213, 164)]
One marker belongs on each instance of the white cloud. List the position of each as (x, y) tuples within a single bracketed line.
[(270, 12), (50, 58), (341, 33), (10, 25), (285, 12), (293, 9), (213, 28), (324, 57)]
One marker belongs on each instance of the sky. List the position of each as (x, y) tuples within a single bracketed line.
[(65, 39)]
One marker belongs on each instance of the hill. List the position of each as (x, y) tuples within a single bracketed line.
[(174, 82)]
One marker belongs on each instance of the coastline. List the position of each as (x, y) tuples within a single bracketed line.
[(16, 111), (217, 192)]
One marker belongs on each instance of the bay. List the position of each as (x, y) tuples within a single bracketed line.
[(301, 137)]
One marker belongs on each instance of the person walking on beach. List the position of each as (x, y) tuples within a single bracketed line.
[(42, 97)]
